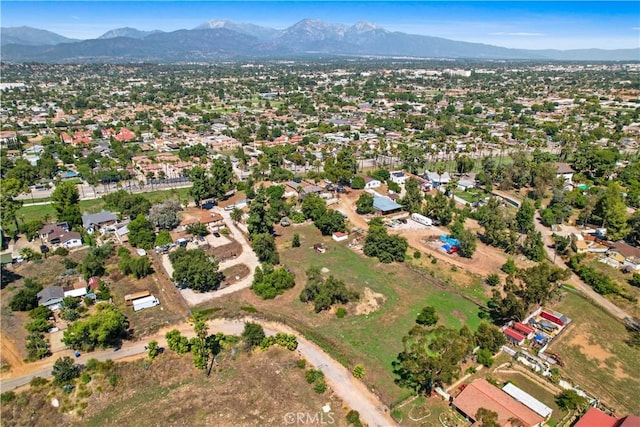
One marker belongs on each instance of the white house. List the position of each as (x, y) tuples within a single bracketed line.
[(371, 182), (398, 177), (565, 171), (339, 236), (73, 239)]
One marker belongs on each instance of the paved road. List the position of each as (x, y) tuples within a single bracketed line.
[(354, 394), (574, 280)]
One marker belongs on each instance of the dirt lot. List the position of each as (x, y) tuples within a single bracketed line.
[(172, 308), (171, 391), (13, 336)]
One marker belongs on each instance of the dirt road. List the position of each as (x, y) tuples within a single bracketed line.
[(350, 390), (246, 257), (574, 280)]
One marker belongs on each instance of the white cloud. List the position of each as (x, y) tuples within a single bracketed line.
[(519, 34)]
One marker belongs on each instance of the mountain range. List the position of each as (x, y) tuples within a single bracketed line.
[(224, 40)]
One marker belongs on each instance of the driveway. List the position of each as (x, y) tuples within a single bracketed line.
[(353, 392), (247, 257)]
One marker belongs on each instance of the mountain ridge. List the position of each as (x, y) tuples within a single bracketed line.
[(222, 39)]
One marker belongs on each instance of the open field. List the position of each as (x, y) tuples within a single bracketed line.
[(170, 391), (596, 356), (396, 293)]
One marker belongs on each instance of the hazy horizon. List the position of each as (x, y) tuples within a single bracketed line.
[(513, 24)]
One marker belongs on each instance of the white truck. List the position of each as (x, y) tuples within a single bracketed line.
[(146, 302), (421, 219)]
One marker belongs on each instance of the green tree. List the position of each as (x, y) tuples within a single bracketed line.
[(153, 349), (177, 342), (509, 267), (431, 357), (489, 337), (357, 183), (485, 357), (65, 200), (264, 245), (313, 207), (330, 222), (221, 180), (492, 279), (236, 215), (197, 229), (202, 187), (269, 282), (571, 400), (364, 204), (105, 328), (259, 221), (427, 317), (141, 233), (163, 238), (295, 243), (194, 269), (439, 208), (325, 293), (524, 216), (252, 334), (380, 244), (613, 212), (412, 201), (11, 188), (533, 246), (468, 243), (26, 298), (64, 371)]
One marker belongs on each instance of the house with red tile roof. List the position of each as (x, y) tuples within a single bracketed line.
[(482, 394)]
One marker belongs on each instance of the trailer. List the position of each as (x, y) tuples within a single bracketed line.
[(146, 302), (130, 297), (421, 219)]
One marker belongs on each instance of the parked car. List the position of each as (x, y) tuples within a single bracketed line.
[(216, 234)]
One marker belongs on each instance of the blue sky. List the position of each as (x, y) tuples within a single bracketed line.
[(531, 25)]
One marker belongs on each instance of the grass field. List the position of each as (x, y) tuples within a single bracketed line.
[(596, 356), (374, 339), (622, 280)]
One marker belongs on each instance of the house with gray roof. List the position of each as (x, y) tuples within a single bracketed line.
[(51, 297), (98, 221)]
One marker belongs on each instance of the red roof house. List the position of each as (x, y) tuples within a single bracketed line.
[(522, 328), (482, 394), (596, 418), (514, 336)]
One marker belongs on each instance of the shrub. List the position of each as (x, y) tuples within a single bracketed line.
[(312, 375), (341, 312), (485, 357), (85, 378), (295, 243), (253, 334), (358, 371), (61, 251), (509, 267), (269, 282), (353, 418), (7, 397), (301, 363), (493, 279), (417, 254), (38, 382), (113, 380), (320, 386)]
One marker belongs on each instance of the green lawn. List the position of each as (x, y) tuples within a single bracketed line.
[(596, 355), (375, 339)]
